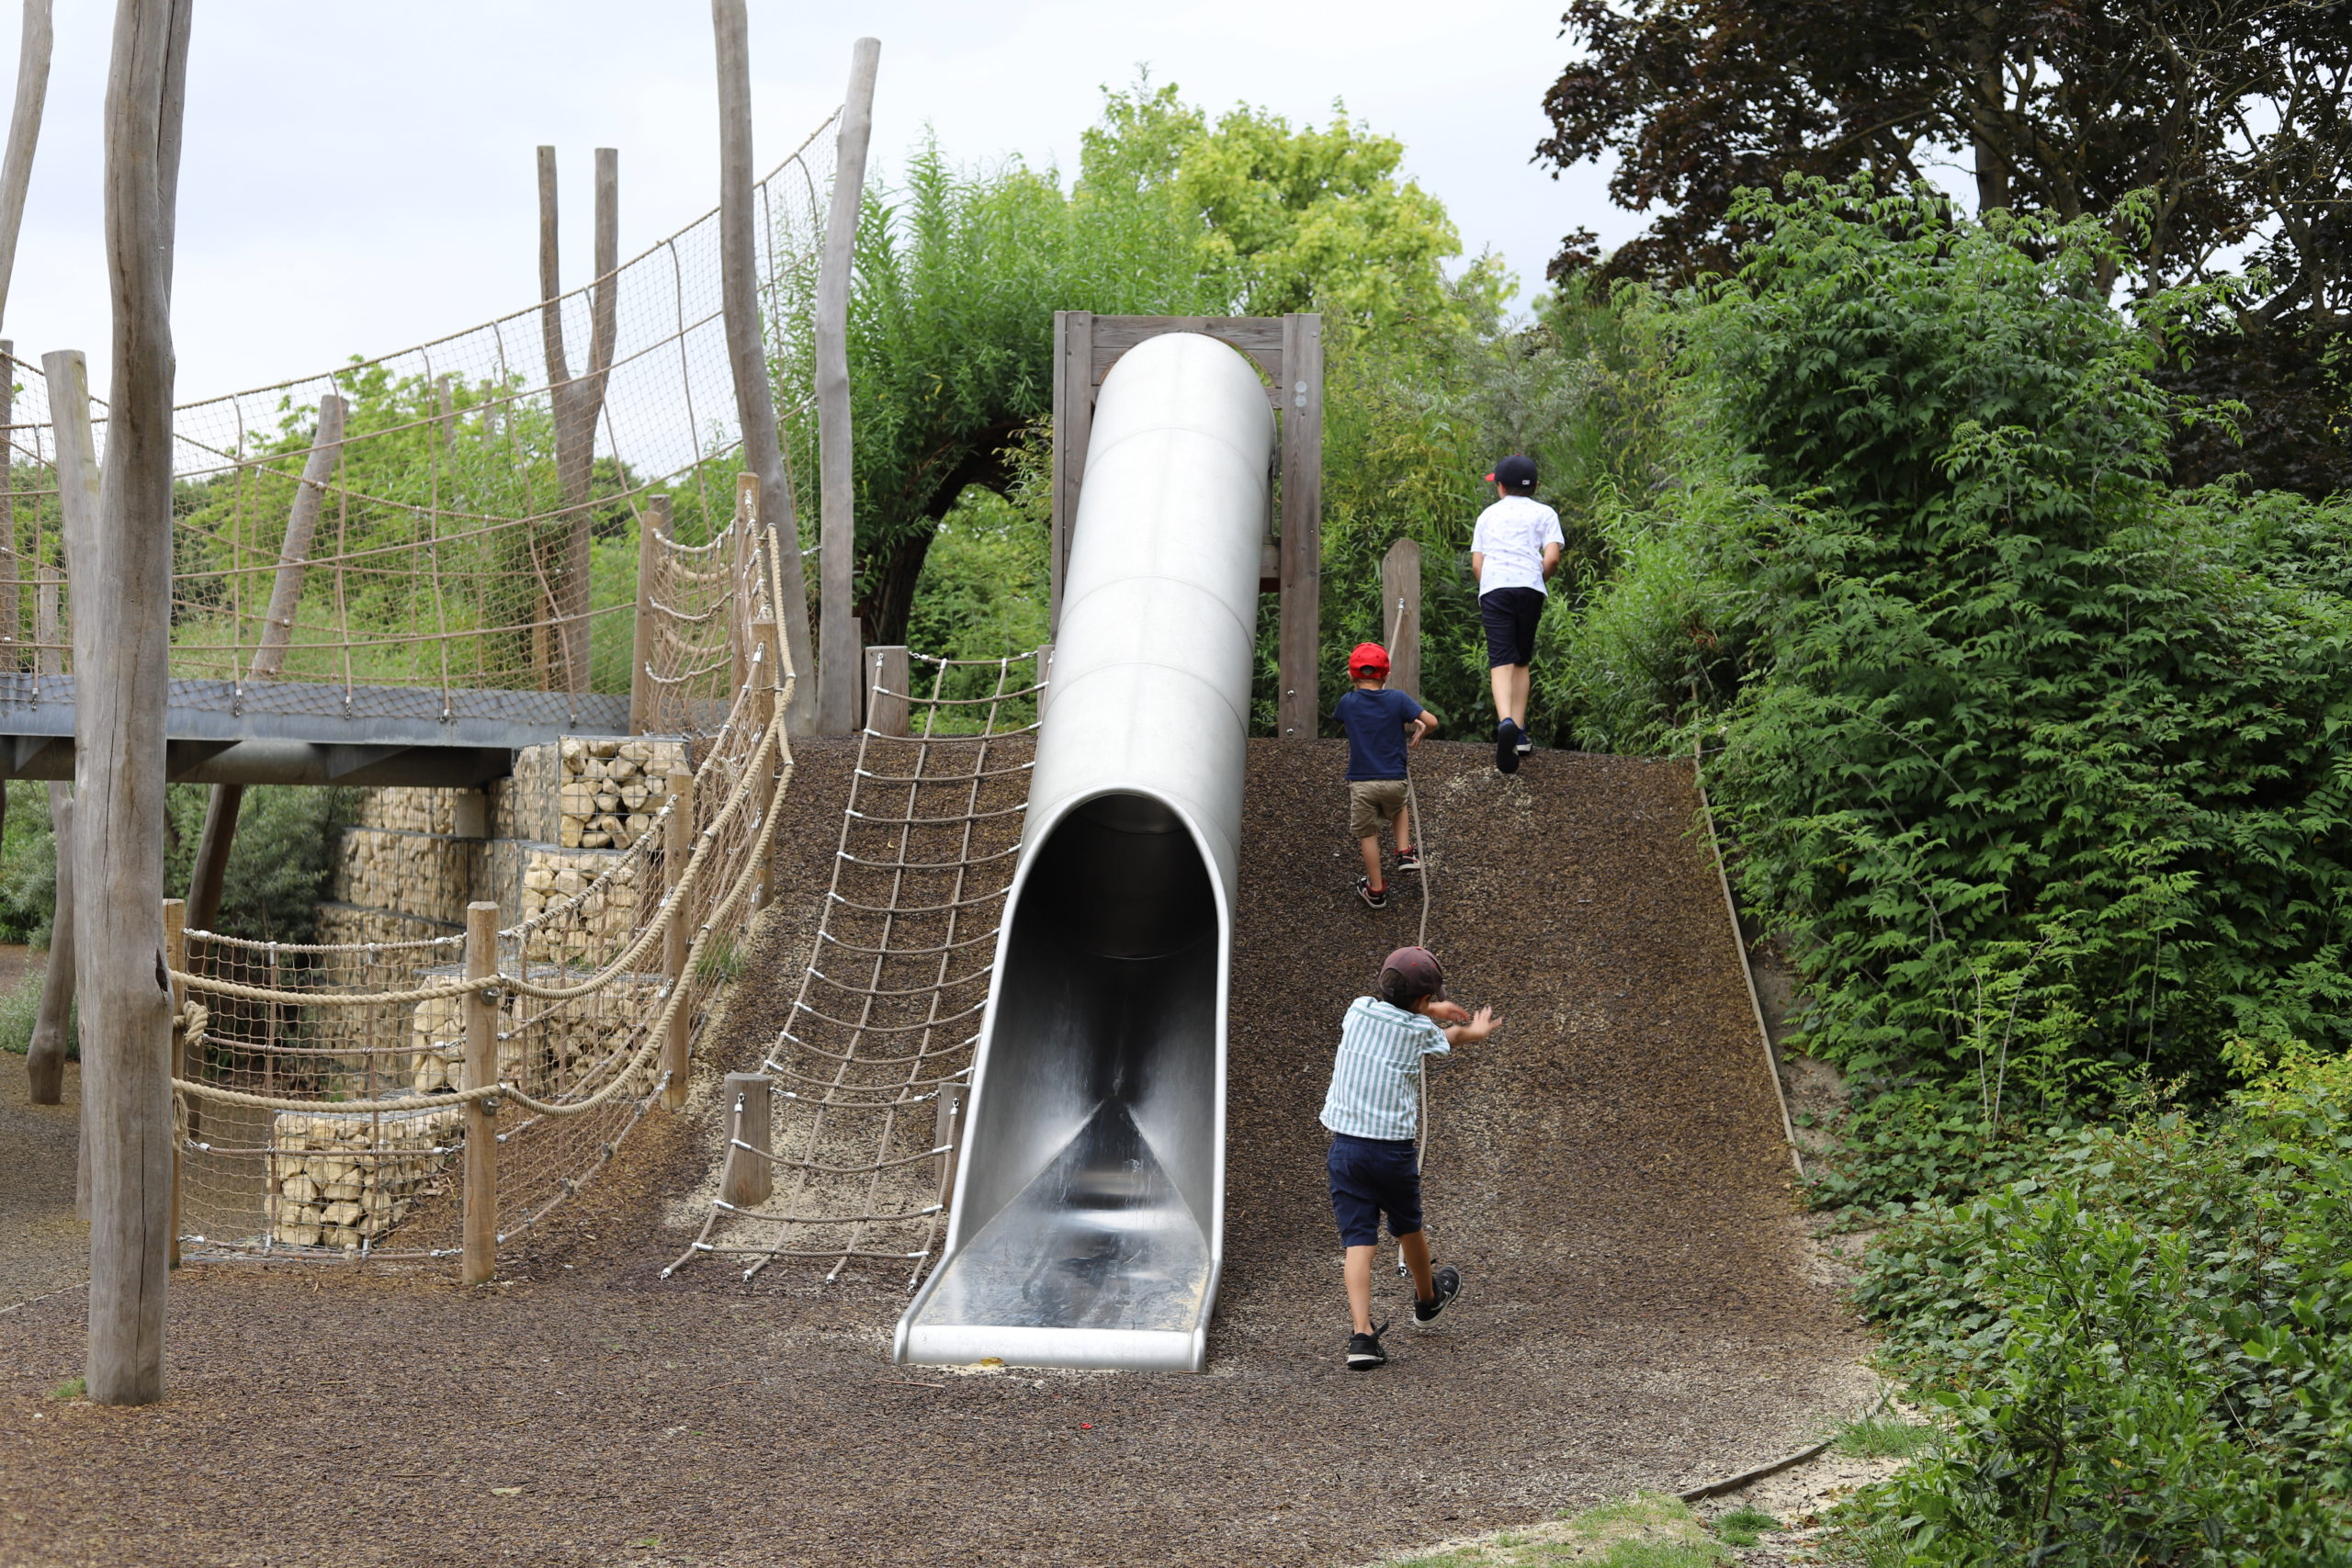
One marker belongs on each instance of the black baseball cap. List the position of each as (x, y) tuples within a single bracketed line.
[(1410, 973), (1514, 472)]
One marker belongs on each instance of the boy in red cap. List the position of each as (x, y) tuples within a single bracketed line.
[(1380, 724), (1373, 1110)]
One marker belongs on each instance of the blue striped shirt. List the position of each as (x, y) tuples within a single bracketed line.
[(1375, 1082)]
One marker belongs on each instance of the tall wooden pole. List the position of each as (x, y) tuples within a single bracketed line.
[(123, 607), (175, 961), (652, 525), (746, 352), (577, 404), (678, 849), (24, 135), (211, 873), (837, 659), (1400, 614), (1298, 708), (45, 1057), (479, 1260), (1073, 424)]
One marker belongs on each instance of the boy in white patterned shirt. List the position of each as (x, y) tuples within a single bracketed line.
[(1373, 1110)]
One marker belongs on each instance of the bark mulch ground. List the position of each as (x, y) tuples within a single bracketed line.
[(1606, 1171)]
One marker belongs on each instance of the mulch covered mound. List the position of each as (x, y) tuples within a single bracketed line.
[(1606, 1171)]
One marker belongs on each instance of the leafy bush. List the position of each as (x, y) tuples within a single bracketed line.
[(2144, 1352)]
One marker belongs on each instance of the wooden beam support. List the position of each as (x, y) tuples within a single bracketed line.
[(24, 134), (1400, 614), (45, 1057), (479, 1260), (748, 1176), (747, 349), (889, 677), (1074, 384), (176, 959), (1299, 707), (837, 660), (677, 850), (652, 526)]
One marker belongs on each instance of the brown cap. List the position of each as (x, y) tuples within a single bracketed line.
[(1408, 975)]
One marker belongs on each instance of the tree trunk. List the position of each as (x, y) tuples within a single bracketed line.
[(122, 573), (839, 657), (24, 135), (577, 405)]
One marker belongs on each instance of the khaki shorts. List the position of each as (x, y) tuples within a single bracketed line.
[(1372, 804)]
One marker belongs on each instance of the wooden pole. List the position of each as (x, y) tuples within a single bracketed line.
[(209, 874), (746, 351), (1400, 614), (1073, 421), (748, 1178), (176, 960), (122, 608), (678, 849), (652, 526), (837, 659), (577, 403), (45, 1057), (887, 681), (769, 638), (481, 1259), (1299, 707), (24, 135), (20, 599)]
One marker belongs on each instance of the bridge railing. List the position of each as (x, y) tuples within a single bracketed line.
[(428, 1099)]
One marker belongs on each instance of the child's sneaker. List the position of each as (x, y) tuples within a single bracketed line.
[(1506, 746), (1409, 859), (1364, 1352), (1448, 1281), (1526, 741), (1375, 897)]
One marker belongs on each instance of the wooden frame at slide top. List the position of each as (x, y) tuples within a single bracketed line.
[(1289, 349)]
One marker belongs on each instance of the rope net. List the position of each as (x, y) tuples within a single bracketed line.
[(465, 542), (865, 1080)]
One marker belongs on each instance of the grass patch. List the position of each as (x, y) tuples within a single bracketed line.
[(72, 1388), (721, 959), (20, 1009), (1744, 1525), (1885, 1437), (1648, 1531)]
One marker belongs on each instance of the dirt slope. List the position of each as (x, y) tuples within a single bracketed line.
[(1606, 1171)]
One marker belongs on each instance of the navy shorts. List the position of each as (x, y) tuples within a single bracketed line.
[(1510, 616), (1370, 1177)]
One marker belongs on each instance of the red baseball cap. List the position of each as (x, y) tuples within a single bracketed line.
[(1368, 656), (1410, 973)]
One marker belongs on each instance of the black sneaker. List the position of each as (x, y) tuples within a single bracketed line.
[(1409, 859), (1364, 1352), (1448, 1281), (1506, 746), (1375, 897)]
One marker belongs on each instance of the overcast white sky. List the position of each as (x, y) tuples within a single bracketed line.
[(358, 178)]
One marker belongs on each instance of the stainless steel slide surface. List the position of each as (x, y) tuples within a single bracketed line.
[(1088, 1222)]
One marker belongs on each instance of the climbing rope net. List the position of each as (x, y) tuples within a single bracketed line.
[(455, 521), (322, 1088), (867, 1078)]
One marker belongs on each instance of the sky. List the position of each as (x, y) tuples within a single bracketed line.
[(358, 178)]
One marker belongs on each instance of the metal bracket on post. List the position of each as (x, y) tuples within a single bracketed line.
[(949, 1135)]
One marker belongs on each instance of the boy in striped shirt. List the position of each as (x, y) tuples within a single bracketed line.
[(1374, 1114)]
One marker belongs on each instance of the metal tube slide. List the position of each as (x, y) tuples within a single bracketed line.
[(1088, 1225)]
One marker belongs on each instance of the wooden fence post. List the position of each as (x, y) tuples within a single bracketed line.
[(1045, 679), (652, 526), (176, 960), (748, 1179), (837, 565), (1400, 614), (677, 850), (887, 680), (1299, 707), (482, 1119)]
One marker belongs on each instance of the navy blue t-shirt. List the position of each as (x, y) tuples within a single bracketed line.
[(1375, 724)]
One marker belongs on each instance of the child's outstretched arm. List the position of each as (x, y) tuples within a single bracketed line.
[(1460, 1026)]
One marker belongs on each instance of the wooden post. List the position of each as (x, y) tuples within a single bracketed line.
[(176, 960), (1400, 614), (210, 871), (652, 527), (748, 1179), (577, 403), (24, 135), (948, 1133), (677, 850), (1045, 679), (481, 1261), (122, 610), (1073, 420), (837, 659), (1299, 708), (746, 349), (765, 695), (887, 680), (19, 599), (45, 1057)]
